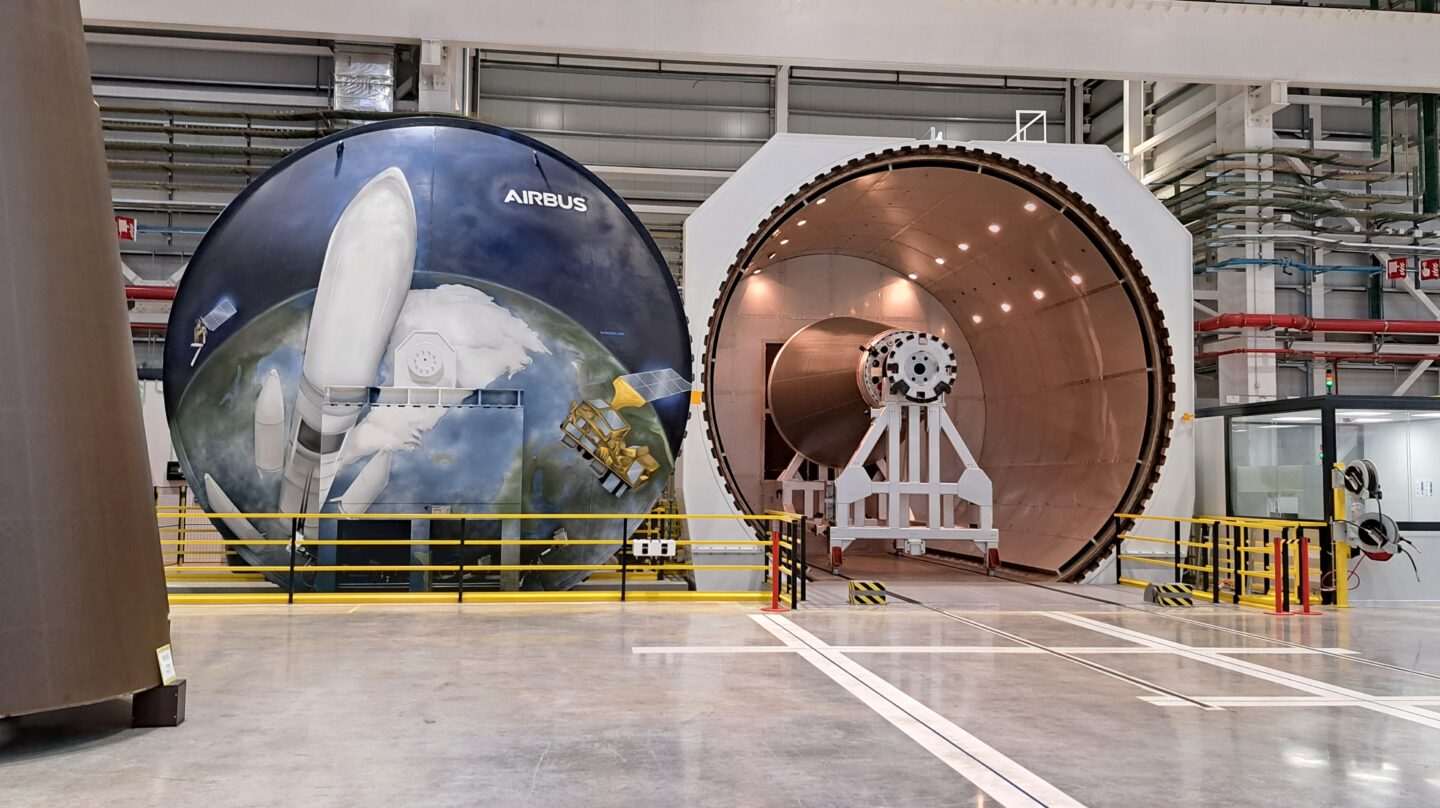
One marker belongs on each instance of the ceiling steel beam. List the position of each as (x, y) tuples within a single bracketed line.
[(1152, 39)]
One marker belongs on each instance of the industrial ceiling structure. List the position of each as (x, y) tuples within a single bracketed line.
[(1299, 175)]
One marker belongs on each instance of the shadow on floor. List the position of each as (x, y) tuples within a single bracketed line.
[(56, 732)]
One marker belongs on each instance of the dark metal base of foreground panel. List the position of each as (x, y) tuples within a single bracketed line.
[(162, 706)]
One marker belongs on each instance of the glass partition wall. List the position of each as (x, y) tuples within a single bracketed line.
[(1279, 455)]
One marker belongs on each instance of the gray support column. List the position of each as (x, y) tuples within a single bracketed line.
[(1133, 131), (782, 99), (1244, 122), (82, 591)]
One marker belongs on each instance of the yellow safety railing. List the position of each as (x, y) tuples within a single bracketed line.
[(184, 528), (1276, 564)]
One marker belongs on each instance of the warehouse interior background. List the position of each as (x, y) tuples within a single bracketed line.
[(1297, 144)]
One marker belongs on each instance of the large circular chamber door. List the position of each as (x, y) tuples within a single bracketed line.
[(1064, 386)]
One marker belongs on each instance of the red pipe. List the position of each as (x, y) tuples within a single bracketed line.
[(1296, 322), (149, 293), (1363, 357), (147, 326)]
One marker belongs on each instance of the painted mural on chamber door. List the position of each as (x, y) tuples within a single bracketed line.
[(428, 312)]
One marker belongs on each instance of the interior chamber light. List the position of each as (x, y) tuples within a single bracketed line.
[(1031, 207), (1075, 279), (975, 318), (1039, 294), (820, 201), (964, 245), (801, 223), (994, 228), (1004, 306), (940, 261), (784, 241), (912, 276)]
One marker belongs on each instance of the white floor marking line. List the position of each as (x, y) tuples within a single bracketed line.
[(1008, 783), (1294, 701), (1314, 687), (965, 649)]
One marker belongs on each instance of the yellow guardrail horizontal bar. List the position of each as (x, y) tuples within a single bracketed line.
[(492, 517), (1232, 521), (1165, 562), (635, 568), (213, 578), (436, 542), (363, 598), (1154, 540)]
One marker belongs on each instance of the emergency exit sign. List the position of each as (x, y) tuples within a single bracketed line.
[(125, 228)]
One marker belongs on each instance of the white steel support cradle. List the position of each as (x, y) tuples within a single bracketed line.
[(915, 503)]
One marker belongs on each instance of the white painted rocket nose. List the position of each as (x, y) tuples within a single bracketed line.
[(270, 426), (367, 271)]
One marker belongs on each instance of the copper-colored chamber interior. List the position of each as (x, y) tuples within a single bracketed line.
[(1064, 380)]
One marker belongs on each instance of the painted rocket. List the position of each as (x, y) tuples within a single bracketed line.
[(363, 283), (270, 426)]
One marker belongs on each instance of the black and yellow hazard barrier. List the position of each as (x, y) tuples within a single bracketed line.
[(1170, 594), (867, 593)]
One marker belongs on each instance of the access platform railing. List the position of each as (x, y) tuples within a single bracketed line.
[(1285, 566), (197, 553)]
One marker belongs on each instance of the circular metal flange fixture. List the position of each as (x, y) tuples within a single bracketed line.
[(913, 364)]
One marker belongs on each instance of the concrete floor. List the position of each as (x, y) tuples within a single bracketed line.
[(1000, 694)]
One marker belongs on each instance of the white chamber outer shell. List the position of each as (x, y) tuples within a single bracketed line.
[(270, 426), (366, 275)]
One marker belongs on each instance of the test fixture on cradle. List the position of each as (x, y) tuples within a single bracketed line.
[(903, 378)]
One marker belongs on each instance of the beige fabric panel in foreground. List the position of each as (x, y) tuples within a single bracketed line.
[(82, 591)]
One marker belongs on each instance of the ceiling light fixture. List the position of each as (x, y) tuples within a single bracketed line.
[(994, 228), (820, 201), (963, 246), (912, 276), (1004, 306), (1076, 279), (771, 255), (976, 318), (1031, 207), (940, 261), (1039, 294), (784, 241), (800, 223)]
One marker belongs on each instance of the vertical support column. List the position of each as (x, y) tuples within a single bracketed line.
[(782, 99), (1244, 123), (894, 468), (1075, 123), (1133, 130), (932, 430)]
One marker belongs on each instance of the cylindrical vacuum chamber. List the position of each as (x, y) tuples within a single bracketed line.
[(1065, 384)]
